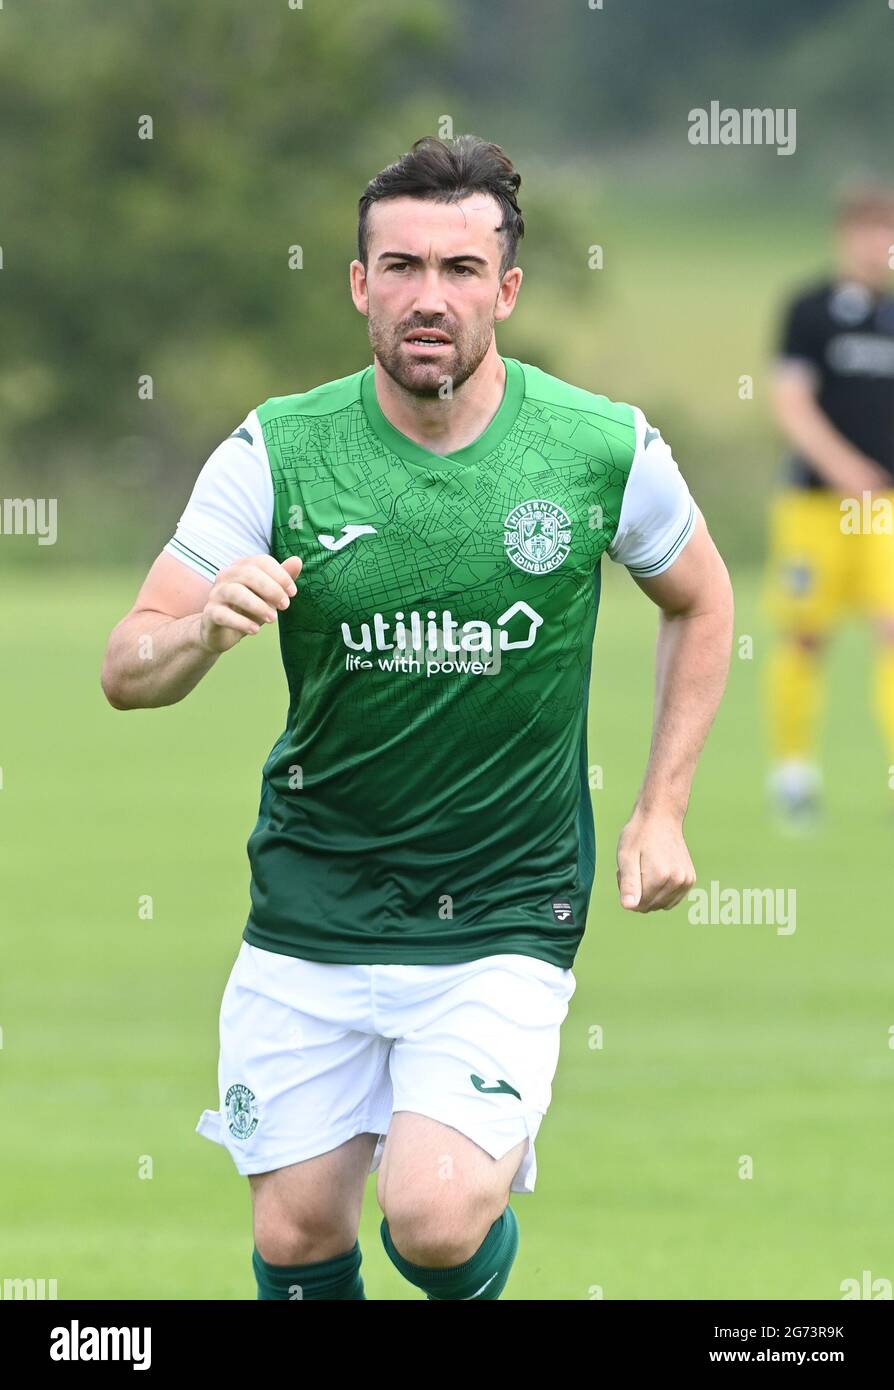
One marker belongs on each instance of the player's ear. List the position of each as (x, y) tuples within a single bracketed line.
[(509, 289), (358, 286)]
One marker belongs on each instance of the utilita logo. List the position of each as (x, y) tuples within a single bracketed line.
[(437, 644), (441, 633)]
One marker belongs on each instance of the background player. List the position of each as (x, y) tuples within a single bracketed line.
[(834, 401)]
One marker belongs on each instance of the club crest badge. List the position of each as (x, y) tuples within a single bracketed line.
[(242, 1112), (537, 536)]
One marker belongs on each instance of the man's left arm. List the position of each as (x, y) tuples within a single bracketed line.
[(691, 665), (662, 539)]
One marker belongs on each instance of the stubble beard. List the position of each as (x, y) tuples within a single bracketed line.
[(426, 378)]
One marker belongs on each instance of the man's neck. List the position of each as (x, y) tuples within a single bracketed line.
[(446, 425), (852, 275)]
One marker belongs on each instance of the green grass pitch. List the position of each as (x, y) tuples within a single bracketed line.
[(719, 1041)]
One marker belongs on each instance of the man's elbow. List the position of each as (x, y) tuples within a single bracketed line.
[(725, 610), (721, 588), (113, 691), (113, 686), (792, 405)]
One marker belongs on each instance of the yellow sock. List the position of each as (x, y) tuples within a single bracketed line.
[(793, 700), (884, 695)]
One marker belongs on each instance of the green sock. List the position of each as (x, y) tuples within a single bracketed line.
[(335, 1278), (482, 1276)]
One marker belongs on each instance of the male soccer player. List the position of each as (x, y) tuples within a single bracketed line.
[(832, 540), (424, 852)]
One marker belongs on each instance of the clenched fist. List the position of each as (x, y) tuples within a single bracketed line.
[(245, 596)]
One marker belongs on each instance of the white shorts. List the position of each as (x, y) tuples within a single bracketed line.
[(312, 1053)]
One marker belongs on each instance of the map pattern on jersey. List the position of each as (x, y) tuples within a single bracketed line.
[(428, 800)]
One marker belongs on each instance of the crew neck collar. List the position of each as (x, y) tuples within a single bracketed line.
[(411, 452), (847, 284)]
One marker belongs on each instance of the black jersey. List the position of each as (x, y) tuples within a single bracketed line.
[(845, 332)]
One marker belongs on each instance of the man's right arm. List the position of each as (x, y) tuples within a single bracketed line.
[(808, 428), (181, 623), (800, 365), (214, 583)]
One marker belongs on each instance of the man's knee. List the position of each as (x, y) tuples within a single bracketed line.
[(443, 1233), (310, 1211), (284, 1237)]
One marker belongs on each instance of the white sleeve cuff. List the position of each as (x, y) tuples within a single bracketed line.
[(230, 513), (658, 513)]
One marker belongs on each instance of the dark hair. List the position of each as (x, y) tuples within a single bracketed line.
[(446, 172)]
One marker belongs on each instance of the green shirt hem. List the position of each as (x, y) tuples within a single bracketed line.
[(410, 954)]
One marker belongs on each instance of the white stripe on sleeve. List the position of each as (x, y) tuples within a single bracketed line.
[(658, 513), (230, 512)]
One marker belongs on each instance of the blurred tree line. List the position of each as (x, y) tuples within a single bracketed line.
[(620, 79), (167, 258)]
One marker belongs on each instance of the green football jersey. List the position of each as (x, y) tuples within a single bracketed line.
[(428, 800)]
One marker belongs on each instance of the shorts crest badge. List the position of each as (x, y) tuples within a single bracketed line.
[(242, 1111)]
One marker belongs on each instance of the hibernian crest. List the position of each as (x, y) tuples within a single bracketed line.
[(537, 536), (242, 1112)]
